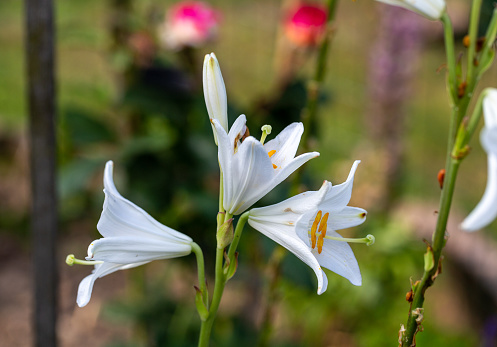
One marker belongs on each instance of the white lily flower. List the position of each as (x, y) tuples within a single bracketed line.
[(131, 238), (306, 225), (486, 210), (252, 169), (431, 9), (215, 92)]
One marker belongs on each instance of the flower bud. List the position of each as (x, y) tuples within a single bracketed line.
[(305, 24), (215, 92), (189, 24), (225, 234)]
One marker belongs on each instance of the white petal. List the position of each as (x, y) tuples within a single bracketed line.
[(347, 218), (286, 237), (120, 217), (84, 290), (296, 205), (486, 210), (237, 130), (431, 9), (490, 108), (252, 173), (86, 285), (338, 257), (488, 139), (215, 91), (128, 250), (249, 174), (339, 196), (285, 144)]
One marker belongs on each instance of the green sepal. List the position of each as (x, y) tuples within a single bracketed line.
[(225, 234), (231, 270), (199, 302), (429, 259)]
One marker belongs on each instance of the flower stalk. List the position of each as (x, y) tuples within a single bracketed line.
[(456, 151)]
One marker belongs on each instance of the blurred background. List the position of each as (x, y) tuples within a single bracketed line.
[(129, 89)]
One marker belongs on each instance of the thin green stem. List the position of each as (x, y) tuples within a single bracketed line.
[(438, 244), (450, 53), (473, 37), (201, 272), (459, 108), (236, 237), (206, 327), (221, 279)]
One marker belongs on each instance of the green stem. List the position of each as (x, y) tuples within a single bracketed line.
[(236, 237), (473, 37), (201, 273), (220, 281), (450, 53), (438, 244), (206, 327), (466, 131)]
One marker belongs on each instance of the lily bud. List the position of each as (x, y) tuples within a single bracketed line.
[(430, 9), (215, 92), (306, 24), (225, 234)]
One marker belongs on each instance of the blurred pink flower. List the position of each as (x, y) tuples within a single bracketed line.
[(189, 24), (305, 24)]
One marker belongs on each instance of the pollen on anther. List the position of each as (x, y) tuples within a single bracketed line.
[(271, 153), (274, 166)]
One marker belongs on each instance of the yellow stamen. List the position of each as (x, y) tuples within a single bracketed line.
[(314, 228), (322, 229), (274, 166), (271, 153)]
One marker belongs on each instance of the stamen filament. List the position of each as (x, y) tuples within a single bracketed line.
[(71, 260), (369, 240), (266, 130)]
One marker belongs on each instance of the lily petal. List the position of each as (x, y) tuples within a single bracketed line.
[(430, 9), (347, 218), (486, 210), (339, 196), (338, 257), (286, 237), (125, 250), (488, 139), (121, 217), (85, 287), (249, 174), (490, 108), (285, 144)]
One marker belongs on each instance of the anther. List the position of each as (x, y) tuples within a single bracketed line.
[(266, 130), (314, 228), (71, 260), (271, 153), (322, 230)]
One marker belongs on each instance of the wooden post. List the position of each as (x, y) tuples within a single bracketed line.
[(41, 98)]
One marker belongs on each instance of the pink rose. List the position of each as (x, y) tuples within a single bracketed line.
[(189, 24), (305, 24)]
